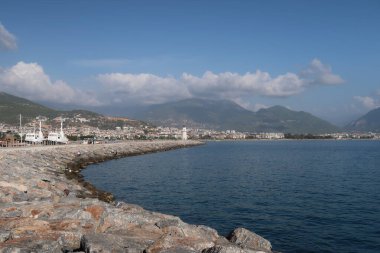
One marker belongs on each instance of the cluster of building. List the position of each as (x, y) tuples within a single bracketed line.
[(354, 135), (45, 134)]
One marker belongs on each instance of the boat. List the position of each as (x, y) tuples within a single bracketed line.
[(35, 138), (58, 138)]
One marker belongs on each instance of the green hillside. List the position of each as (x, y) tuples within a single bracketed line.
[(278, 118), (11, 107), (370, 122)]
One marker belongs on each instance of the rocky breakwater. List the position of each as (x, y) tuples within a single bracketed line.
[(46, 207)]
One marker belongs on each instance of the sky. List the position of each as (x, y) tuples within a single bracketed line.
[(321, 56)]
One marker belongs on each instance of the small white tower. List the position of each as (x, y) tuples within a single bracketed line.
[(184, 133), (62, 134), (40, 134)]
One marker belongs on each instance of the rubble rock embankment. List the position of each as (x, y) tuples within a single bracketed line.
[(45, 206)]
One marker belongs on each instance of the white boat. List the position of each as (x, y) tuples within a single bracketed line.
[(58, 138), (35, 138)]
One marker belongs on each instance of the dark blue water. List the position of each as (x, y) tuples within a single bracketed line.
[(304, 196)]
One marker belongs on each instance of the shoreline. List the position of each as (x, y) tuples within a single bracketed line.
[(47, 206), (73, 171)]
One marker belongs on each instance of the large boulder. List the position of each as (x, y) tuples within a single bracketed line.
[(249, 240)]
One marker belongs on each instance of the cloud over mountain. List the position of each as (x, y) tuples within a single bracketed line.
[(29, 80), (368, 102), (148, 88), (320, 74), (7, 40)]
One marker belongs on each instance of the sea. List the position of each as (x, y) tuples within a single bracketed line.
[(301, 195)]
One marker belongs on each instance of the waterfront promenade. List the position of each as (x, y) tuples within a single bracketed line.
[(45, 206)]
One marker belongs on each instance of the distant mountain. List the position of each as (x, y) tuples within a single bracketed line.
[(11, 107), (224, 114), (195, 112), (367, 123)]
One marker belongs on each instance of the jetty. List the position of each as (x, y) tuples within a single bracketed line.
[(46, 206)]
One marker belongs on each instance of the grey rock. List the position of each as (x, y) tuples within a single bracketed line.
[(20, 196), (179, 250), (10, 213), (168, 222), (40, 246), (4, 235), (94, 243), (230, 248), (249, 240)]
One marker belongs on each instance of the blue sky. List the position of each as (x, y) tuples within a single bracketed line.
[(317, 56)]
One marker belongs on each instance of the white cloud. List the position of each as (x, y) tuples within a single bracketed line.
[(148, 88), (142, 88), (320, 74), (7, 40), (29, 80), (110, 62), (368, 102), (257, 107), (231, 85)]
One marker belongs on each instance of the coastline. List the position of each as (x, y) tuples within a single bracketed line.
[(46, 206), (73, 170)]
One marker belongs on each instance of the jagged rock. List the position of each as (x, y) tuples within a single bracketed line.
[(168, 222), (94, 243), (28, 245), (249, 240), (70, 241), (10, 212), (4, 235), (228, 248), (19, 187)]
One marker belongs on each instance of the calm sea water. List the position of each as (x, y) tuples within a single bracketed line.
[(304, 196)]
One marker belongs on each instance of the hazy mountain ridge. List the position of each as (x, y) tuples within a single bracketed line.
[(224, 114), (196, 113), (369, 122)]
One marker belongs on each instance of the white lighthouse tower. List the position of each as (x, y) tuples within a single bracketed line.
[(184, 133)]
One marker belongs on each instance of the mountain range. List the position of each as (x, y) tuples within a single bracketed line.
[(195, 112), (224, 114)]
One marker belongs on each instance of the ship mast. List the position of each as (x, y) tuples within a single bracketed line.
[(62, 127), (40, 135), (20, 129)]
